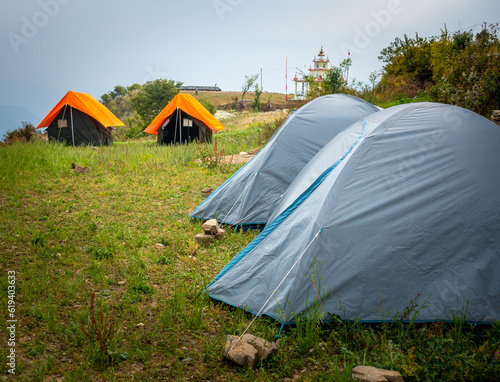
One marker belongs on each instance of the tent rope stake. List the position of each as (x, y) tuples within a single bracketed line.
[(281, 282)]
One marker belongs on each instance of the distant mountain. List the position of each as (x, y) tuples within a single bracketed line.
[(11, 117)]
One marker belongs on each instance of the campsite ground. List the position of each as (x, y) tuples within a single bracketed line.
[(123, 232)]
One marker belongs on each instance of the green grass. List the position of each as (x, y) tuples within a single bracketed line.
[(67, 235)]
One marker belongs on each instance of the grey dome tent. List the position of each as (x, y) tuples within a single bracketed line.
[(406, 204), (250, 195)]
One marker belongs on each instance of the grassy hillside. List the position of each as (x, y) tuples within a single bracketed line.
[(224, 97), (65, 236)]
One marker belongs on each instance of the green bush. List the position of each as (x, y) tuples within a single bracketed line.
[(208, 105), (24, 134), (268, 129)]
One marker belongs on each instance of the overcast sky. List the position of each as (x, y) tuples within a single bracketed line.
[(51, 46)]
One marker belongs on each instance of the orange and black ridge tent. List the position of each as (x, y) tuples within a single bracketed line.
[(79, 119), (184, 119)]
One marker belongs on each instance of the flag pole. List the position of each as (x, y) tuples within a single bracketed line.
[(286, 80)]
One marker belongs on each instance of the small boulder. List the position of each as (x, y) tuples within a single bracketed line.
[(210, 227), (220, 234), (264, 348), (240, 352), (206, 191), (372, 374), (204, 238), (247, 351)]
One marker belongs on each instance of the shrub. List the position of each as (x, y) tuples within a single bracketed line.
[(208, 158), (24, 134), (208, 105), (268, 129)]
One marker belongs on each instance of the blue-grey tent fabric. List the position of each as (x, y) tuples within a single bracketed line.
[(406, 206), (250, 195)]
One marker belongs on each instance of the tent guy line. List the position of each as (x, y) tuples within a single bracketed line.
[(242, 193), (280, 283)]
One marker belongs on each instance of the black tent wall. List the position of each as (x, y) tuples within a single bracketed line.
[(86, 130), (171, 134)]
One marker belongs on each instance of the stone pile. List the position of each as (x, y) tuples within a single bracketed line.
[(248, 350), (206, 192), (372, 374), (211, 232)]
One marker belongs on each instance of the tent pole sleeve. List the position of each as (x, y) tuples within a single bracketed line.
[(72, 131)]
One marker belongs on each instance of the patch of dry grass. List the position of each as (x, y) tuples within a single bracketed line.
[(223, 97), (242, 120)]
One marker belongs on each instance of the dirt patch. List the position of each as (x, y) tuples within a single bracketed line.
[(233, 159), (237, 158)]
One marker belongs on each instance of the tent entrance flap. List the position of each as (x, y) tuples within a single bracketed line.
[(183, 120), (180, 128), (79, 129), (62, 122), (87, 122)]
